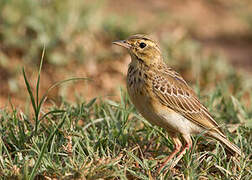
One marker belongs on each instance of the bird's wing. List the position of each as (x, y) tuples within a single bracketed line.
[(173, 92)]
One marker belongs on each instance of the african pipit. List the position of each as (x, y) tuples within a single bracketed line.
[(163, 97)]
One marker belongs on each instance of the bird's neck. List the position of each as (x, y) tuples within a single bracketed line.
[(147, 62), (142, 65)]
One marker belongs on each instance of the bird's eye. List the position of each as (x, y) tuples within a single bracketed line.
[(142, 45)]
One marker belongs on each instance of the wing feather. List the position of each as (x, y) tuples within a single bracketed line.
[(173, 92)]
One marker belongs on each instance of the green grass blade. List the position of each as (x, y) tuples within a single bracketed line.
[(51, 112), (136, 159), (30, 92), (44, 146), (55, 85), (38, 80), (6, 149), (91, 102)]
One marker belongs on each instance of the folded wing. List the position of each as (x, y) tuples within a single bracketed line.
[(173, 92)]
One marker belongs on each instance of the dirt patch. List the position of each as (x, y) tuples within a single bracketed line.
[(216, 24), (238, 50)]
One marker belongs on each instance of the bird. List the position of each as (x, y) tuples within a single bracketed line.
[(164, 98)]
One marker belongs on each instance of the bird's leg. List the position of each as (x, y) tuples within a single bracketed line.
[(178, 146), (188, 146)]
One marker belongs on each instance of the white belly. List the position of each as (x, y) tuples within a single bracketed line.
[(179, 123)]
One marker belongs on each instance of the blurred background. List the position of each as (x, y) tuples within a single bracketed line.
[(208, 42)]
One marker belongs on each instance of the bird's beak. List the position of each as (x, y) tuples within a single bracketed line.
[(122, 43)]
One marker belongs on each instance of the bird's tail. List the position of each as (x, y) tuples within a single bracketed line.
[(229, 146)]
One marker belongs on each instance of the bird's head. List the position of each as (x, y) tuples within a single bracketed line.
[(142, 49)]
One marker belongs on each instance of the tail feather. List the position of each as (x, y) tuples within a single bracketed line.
[(230, 146)]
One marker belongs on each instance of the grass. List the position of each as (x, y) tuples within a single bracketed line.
[(110, 140)]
